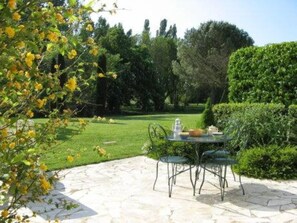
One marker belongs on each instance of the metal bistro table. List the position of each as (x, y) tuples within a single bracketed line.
[(198, 141)]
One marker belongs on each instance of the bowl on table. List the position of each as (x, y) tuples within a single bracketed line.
[(184, 135), (196, 132)]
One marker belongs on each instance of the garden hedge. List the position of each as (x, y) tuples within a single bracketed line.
[(264, 74), (223, 111)]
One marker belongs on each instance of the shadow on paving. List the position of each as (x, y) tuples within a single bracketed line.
[(58, 205), (257, 197)]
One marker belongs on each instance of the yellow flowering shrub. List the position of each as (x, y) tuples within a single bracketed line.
[(32, 33)]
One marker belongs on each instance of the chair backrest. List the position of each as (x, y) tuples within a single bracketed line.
[(156, 133)]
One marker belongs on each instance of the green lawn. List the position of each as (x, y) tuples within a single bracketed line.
[(124, 138)]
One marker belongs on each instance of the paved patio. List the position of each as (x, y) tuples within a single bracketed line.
[(121, 191)]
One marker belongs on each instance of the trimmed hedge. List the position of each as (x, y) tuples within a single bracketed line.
[(270, 162), (264, 74)]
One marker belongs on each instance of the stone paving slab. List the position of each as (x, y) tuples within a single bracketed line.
[(121, 191)]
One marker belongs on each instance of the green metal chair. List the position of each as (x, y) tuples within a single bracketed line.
[(219, 159), (156, 134)]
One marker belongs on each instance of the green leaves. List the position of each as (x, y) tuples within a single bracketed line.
[(72, 3), (264, 74)]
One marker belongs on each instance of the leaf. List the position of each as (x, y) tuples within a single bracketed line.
[(72, 2), (26, 162)]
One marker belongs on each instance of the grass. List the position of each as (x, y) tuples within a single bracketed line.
[(125, 138)]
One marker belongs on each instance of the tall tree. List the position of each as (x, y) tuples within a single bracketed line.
[(204, 55), (163, 51), (101, 85), (162, 29)]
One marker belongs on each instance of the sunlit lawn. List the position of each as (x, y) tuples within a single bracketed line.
[(124, 138)]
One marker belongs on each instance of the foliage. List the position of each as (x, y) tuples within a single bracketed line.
[(292, 112), (223, 111), (207, 115), (204, 53), (264, 74), (165, 148), (257, 126), (163, 51), (31, 34), (271, 162)]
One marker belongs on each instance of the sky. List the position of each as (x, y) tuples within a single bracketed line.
[(266, 21)]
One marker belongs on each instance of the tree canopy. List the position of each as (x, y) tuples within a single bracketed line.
[(204, 53)]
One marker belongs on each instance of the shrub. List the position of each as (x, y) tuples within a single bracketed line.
[(264, 74), (222, 112), (257, 126), (292, 112), (207, 115), (272, 162)]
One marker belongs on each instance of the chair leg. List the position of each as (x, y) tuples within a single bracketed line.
[(157, 170), (233, 172), (202, 179), (170, 178), (243, 192), (224, 182)]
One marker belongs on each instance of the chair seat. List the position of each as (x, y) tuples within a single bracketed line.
[(174, 159), (216, 153), (222, 161)]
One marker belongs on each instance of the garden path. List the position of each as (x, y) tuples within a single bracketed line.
[(121, 191)]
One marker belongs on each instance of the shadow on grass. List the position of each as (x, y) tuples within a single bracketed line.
[(66, 133)]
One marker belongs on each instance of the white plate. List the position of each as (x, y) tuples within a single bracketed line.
[(217, 133)]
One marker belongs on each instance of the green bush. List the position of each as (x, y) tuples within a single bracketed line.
[(207, 115), (264, 74), (171, 148), (272, 162), (222, 112), (292, 111), (257, 126)]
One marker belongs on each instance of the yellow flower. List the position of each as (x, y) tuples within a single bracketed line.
[(24, 189), (4, 132), (29, 59), (72, 54), (16, 16), (53, 37), (40, 102), (101, 151), (64, 39), (82, 122), (90, 40), (12, 145), (17, 85), (93, 51), (70, 159), (52, 97), (89, 28), (31, 133), (41, 35), (38, 86), (21, 45), (43, 167), (4, 213), (101, 75), (10, 32), (12, 4), (45, 185), (59, 17), (114, 76), (71, 84), (30, 114)]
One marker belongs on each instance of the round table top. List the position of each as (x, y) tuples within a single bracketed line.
[(201, 139)]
